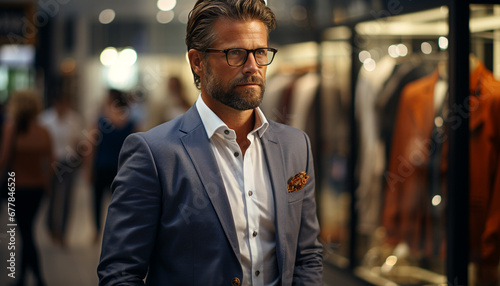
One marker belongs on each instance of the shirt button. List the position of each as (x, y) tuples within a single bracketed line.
[(257, 273), (250, 193), (236, 154), (226, 132), (254, 233)]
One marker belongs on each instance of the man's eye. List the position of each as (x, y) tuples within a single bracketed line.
[(260, 52), (235, 52)]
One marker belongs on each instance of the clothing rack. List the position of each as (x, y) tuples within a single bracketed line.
[(457, 230)]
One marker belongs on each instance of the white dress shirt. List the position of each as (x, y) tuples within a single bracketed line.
[(249, 192)]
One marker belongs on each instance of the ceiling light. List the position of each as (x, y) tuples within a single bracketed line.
[(127, 57), (109, 56), (165, 17), (166, 5), (107, 16), (426, 48)]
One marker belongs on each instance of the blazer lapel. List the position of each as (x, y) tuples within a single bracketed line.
[(198, 147), (275, 162)]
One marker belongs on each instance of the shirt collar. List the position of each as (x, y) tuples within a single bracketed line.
[(212, 122)]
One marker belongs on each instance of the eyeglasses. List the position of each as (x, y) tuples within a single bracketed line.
[(238, 57)]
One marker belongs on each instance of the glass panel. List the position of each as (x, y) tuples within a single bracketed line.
[(334, 196), (318, 102), (401, 106), (484, 126)]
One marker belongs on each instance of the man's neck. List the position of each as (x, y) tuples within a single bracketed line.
[(242, 126), (241, 121)]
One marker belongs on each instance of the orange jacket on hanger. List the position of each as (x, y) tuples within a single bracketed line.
[(406, 216), (485, 172), (406, 207)]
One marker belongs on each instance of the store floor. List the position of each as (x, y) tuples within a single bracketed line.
[(75, 265)]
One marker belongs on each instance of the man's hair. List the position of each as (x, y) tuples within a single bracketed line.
[(199, 32)]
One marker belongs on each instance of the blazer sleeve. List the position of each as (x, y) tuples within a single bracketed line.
[(132, 218), (309, 257)]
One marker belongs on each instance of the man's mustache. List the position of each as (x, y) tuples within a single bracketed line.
[(250, 79)]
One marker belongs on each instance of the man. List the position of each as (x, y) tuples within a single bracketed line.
[(220, 195)]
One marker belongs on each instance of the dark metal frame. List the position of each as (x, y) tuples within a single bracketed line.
[(457, 254)]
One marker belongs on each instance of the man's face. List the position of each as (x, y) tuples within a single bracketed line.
[(243, 87)]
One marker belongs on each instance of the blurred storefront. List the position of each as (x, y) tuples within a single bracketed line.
[(400, 99)]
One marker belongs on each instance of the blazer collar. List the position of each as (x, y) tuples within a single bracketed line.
[(212, 122), (275, 163), (198, 147)]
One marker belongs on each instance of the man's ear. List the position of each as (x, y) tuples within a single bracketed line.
[(195, 61)]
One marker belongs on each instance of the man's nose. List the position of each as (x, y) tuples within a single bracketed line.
[(250, 66)]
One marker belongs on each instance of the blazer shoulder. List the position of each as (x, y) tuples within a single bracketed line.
[(286, 132), (175, 128)]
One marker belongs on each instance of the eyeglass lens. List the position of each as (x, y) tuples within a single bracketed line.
[(237, 57)]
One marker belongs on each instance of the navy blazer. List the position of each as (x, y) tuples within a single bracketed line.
[(170, 218)]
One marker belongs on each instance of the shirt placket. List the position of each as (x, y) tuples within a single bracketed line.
[(252, 213), (244, 171)]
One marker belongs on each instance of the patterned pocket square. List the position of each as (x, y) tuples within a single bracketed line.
[(297, 182)]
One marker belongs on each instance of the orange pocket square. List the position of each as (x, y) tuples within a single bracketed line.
[(297, 182)]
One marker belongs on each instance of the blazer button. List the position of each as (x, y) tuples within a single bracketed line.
[(235, 281)]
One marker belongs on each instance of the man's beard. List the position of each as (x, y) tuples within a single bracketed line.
[(245, 100)]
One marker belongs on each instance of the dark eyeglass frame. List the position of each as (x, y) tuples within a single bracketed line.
[(226, 51)]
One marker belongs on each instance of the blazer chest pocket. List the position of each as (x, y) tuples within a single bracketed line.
[(294, 197)]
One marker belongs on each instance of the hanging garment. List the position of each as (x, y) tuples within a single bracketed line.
[(406, 215), (370, 163), (484, 105), (407, 206)]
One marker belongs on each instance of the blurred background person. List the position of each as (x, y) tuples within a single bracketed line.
[(4, 175), (178, 102), (65, 127), (27, 151), (169, 105), (113, 125)]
